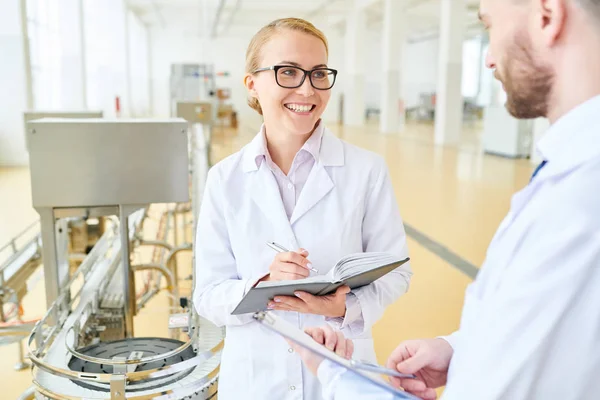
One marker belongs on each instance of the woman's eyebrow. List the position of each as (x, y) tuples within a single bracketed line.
[(295, 64)]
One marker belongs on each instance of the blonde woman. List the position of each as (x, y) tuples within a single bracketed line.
[(298, 185)]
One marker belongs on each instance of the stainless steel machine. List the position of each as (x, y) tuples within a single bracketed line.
[(84, 346), (21, 257)]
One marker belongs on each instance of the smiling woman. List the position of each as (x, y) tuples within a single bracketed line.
[(298, 185), (279, 58)]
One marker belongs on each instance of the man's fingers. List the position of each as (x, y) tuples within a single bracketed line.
[(317, 334), (340, 347), (399, 354), (330, 337), (412, 385), (349, 349), (407, 359), (428, 394), (413, 364)]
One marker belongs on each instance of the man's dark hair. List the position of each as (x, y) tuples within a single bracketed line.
[(593, 6)]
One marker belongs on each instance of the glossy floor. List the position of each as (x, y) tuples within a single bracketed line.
[(455, 195)]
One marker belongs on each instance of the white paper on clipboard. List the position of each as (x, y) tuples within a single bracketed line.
[(289, 331)]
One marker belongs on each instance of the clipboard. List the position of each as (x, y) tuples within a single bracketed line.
[(367, 371)]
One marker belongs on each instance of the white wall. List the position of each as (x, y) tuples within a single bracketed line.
[(13, 99), (71, 61), (419, 70), (139, 69), (106, 64)]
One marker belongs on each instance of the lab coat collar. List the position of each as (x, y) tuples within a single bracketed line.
[(311, 147), (263, 189), (330, 152), (572, 140)]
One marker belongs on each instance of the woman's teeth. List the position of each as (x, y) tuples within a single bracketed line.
[(299, 108)]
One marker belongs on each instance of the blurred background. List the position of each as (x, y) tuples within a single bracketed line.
[(412, 86)]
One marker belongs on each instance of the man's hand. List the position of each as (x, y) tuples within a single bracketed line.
[(325, 335), (333, 305), (429, 359)]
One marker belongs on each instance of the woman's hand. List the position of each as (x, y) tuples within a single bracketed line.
[(333, 305), (289, 266)]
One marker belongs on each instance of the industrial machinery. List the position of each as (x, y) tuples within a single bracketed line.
[(192, 82), (21, 257), (84, 346), (199, 116), (32, 115)]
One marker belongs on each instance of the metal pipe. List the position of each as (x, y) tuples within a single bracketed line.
[(158, 243), (172, 260), (175, 227), (128, 275), (28, 394), (146, 297), (21, 363), (161, 268)]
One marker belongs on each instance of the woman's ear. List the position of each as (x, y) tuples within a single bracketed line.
[(250, 85)]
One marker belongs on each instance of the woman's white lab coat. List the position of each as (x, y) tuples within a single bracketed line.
[(347, 205)]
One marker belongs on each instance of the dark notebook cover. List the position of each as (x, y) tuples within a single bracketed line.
[(258, 298)]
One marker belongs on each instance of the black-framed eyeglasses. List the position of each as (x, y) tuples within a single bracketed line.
[(291, 77)]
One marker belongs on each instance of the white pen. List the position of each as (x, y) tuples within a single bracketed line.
[(280, 249)]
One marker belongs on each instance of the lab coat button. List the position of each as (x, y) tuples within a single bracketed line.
[(292, 387), (290, 350), (289, 186)]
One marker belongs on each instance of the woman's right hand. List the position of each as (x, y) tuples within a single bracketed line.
[(290, 265)]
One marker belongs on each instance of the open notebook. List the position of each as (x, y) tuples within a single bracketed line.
[(372, 373), (354, 270)]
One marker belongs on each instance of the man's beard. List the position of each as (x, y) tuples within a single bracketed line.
[(527, 82)]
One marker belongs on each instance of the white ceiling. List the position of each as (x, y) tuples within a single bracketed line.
[(244, 17)]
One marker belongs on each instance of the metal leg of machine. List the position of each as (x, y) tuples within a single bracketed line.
[(128, 275), (21, 364), (54, 253)]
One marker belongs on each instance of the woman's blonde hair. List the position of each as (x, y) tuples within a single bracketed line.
[(265, 34)]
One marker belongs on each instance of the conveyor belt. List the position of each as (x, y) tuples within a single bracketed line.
[(197, 382), (26, 258)]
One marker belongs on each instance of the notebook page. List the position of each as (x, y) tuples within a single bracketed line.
[(355, 264)]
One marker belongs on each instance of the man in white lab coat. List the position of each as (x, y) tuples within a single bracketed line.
[(530, 327)]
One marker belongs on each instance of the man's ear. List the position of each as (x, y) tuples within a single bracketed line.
[(250, 85), (551, 16)]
